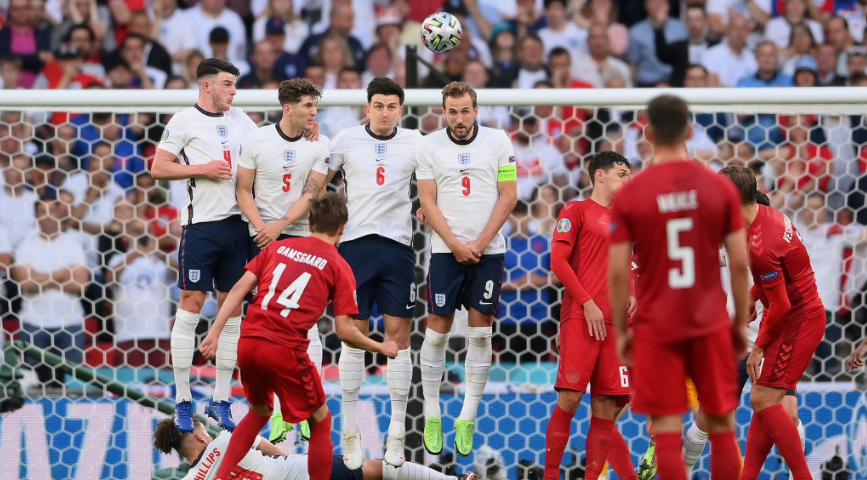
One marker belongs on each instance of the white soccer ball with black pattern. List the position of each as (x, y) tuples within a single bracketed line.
[(441, 32)]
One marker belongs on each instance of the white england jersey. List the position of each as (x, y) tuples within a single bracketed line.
[(199, 137), (377, 172), (725, 276), (282, 164), (254, 464), (466, 175)]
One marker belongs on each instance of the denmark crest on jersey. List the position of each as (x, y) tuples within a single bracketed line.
[(222, 131), (380, 149), (464, 159)]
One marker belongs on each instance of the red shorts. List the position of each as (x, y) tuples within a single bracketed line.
[(789, 355), (584, 359), (268, 368), (660, 370)]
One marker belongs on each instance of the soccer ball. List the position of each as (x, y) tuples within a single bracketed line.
[(441, 32)]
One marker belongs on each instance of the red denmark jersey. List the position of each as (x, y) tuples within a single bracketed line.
[(778, 255), (297, 279), (584, 226), (678, 215)]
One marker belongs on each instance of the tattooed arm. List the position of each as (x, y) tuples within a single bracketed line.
[(313, 187)]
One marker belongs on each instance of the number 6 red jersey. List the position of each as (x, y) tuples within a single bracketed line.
[(678, 215), (297, 279)]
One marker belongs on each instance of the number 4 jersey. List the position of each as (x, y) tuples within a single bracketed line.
[(677, 214), (297, 279)]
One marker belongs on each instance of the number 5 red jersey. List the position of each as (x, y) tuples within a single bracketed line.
[(678, 215), (297, 279)]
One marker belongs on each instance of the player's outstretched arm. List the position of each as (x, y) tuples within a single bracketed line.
[(508, 198), (619, 277), (736, 246), (165, 168), (349, 334), (427, 195), (244, 194), (269, 449), (230, 305)]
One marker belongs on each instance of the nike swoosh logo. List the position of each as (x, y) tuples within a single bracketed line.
[(464, 170), (410, 307), (485, 303)]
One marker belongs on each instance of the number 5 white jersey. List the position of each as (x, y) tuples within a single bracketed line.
[(282, 164), (199, 137), (466, 174), (377, 172)]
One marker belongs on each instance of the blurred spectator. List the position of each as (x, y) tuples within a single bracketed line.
[(538, 161), (473, 45), (133, 50), (65, 71), (287, 65), (856, 61), (294, 28), (757, 12), (94, 190), (150, 203), (801, 44), (826, 56), (89, 14), (779, 29), (767, 74), (530, 66), (607, 13), (546, 203), (560, 32), (334, 56), (600, 65), (341, 22), (218, 40), (51, 274), (364, 18), (140, 281), (176, 83), (658, 47), (529, 18), (10, 71), (697, 28), (122, 133), (172, 30), (837, 31), (524, 298), (478, 77), (21, 38), (806, 72), (155, 54), (16, 202), (731, 60), (263, 60), (111, 240), (855, 14), (85, 40), (335, 119), (210, 14), (803, 165), (379, 62), (316, 73), (503, 53)]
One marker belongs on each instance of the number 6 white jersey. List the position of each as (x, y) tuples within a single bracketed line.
[(377, 172), (282, 164), (199, 137), (466, 174)]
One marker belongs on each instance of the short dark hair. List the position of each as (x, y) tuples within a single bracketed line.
[(521, 208), (557, 51), (458, 90), (744, 179), (293, 90), (213, 66), (697, 65), (45, 199), (11, 59), (548, 3), (167, 437), (79, 26), (762, 199), (328, 213), (669, 118), (134, 36), (218, 35), (854, 78), (384, 86), (605, 161)]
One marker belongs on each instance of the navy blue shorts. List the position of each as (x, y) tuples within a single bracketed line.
[(213, 255), (384, 274), (254, 249), (744, 377), (339, 471), (452, 285)]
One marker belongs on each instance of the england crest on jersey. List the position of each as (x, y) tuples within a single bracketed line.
[(380, 149), (464, 159), (195, 275), (288, 158), (223, 131)]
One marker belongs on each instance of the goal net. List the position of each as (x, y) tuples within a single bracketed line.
[(86, 158)]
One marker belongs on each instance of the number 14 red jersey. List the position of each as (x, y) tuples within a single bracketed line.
[(297, 279), (678, 215)]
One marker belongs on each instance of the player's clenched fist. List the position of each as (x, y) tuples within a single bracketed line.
[(208, 347), (464, 253), (389, 349), (856, 360), (217, 170)]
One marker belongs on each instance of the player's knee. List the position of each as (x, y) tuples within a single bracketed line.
[(762, 398), (261, 409), (604, 406), (192, 301), (569, 400), (718, 424)]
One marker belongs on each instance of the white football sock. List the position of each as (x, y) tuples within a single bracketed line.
[(478, 368), (183, 342), (398, 376), (227, 356), (351, 366), (693, 446), (276, 408), (433, 364), (314, 349), (412, 471)]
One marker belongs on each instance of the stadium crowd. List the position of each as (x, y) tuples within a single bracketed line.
[(86, 230)]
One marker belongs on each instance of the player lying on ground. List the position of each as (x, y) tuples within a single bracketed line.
[(676, 214), (792, 327), (579, 258), (296, 278), (265, 461)]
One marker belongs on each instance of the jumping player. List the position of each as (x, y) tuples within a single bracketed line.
[(467, 184), (296, 278), (207, 138), (677, 213), (579, 258)]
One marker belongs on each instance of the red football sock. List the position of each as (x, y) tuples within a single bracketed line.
[(241, 442), (784, 433), (619, 457), (556, 439), (321, 450), (759, 445), (669, 459), (598, 443), (725, 456)]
